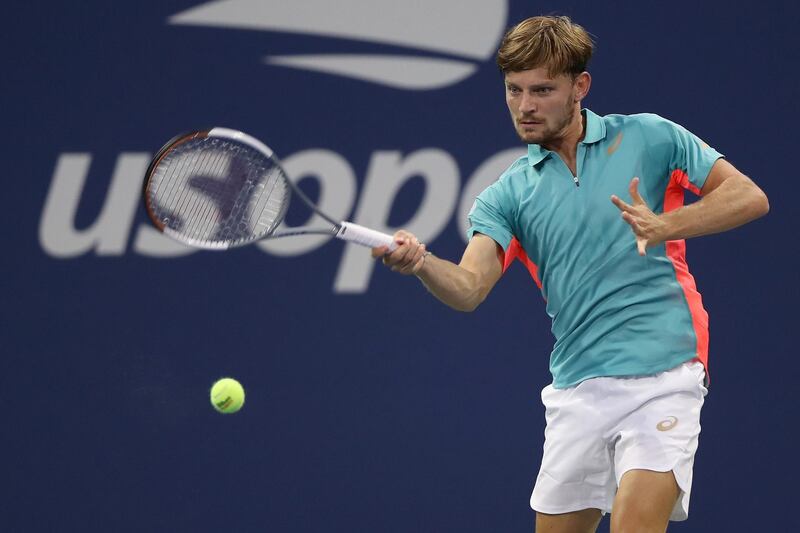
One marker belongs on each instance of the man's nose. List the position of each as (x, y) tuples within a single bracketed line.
[(527, 104)]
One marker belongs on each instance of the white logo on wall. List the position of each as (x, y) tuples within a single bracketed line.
[(462, 38), (443, 41)]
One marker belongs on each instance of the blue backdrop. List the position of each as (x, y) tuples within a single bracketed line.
[(371, 407)]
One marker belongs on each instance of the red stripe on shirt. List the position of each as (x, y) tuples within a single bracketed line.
[(515, 251), (676, 252)]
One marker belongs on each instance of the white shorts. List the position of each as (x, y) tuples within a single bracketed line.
[(603, 427)]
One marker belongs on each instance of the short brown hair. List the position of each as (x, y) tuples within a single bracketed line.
[(549, 41)]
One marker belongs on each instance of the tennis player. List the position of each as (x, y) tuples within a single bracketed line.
[(595, 211)]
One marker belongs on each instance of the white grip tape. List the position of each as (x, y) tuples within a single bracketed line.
[(365, 236)]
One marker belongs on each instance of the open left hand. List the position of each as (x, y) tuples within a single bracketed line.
[(648, 227)]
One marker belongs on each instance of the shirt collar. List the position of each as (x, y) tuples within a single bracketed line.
[(595, 131)]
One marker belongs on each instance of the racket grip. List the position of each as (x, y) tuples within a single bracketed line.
[(365, 236)]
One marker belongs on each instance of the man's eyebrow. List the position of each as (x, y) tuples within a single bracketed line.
[(541, 85)]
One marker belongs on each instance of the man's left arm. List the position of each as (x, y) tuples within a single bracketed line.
[(728, 199)]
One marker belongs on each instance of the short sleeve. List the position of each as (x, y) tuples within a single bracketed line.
[(691, 155), (489, 216)]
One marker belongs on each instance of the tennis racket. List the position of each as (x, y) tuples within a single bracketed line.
[(220, 188)]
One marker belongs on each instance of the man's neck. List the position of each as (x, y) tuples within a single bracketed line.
[(567, 145)]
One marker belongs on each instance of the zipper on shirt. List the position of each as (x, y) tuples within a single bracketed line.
[(579, 160), (575, 179)]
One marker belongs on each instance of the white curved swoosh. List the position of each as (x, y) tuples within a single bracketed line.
[(401, 72), (467, 29)]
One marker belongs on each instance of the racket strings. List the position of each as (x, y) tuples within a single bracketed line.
[(165, 174), (246, 197), (261, 179), (270, 213), (189, 200), (176, 166), (208, 207), (217, 192), (211, 220), (179, 200)]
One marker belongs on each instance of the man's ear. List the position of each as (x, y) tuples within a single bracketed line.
[(583, 83)]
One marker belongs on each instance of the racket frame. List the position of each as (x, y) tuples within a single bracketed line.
[(347, 231)]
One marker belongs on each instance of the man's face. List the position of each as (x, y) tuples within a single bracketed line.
[(541, 107)]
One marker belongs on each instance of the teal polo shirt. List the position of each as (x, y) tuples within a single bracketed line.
[(614, 312)]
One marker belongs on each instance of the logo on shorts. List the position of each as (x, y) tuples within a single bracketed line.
[(667, 424)]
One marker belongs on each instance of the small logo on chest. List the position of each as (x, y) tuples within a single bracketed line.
[(615, 144)]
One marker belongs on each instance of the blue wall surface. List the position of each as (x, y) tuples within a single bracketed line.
[(371, 407)]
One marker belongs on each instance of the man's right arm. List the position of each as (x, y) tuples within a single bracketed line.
[(463, 286)]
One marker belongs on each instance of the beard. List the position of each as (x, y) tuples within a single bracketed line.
[(549, 130)]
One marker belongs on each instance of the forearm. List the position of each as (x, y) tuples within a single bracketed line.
[(733, 203), (452, 284)]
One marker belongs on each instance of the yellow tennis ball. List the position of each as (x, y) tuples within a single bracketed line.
[(227, 395)]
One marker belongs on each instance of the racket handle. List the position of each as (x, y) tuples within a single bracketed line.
[(365, 236)]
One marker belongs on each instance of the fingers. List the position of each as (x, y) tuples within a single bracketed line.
[(633, 188), (641, 245), (420, 261), (406, 258), (403, 255), (637, 199), (627, 217), (379, 251), (621, 205), (637, 215), (399, 237), (415, 263), (638, 232), (634, 213)]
